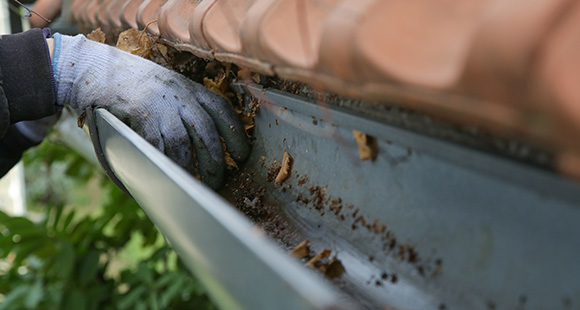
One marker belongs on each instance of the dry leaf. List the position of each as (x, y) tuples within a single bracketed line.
[(136, 42), (219, 83), (285, 170), (322, 255), (333, 269), (247, 75), (367, 145), (215, 84), (230, 160), (97, 35), (82, 119), (379, 228), (162, 49), (302, 250), (227, 156)]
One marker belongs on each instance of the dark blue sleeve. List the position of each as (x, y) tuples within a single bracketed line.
[(27, 79), (27, 90), (12, 145)]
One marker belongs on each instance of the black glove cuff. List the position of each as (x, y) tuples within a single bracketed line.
[(27, 77)]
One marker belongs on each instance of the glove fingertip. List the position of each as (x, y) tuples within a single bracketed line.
[(227, 123), (210, 169)]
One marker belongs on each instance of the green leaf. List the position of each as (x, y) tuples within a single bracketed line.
[(145, 273), (166, 279), (26, 248), (150, 237), (68, 220), (35, 295), (172, 291), (23, 227), (141, 306), (153, 301), (47, 250), (64, 261), (4, 217), (80, 231), (88, 267), (59, 210), (75, 300), (131, 298), (12, 299)]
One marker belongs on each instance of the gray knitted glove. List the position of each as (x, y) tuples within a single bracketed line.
[(178, 116)]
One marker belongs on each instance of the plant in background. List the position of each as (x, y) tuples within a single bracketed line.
[(86, 245)]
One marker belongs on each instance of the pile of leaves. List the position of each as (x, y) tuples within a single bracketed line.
[(69, 257)]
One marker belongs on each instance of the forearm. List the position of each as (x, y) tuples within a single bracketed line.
[(26, 92), (27, 78), (47, 9), (50, 45)]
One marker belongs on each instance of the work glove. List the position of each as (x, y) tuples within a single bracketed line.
[(179, 117)]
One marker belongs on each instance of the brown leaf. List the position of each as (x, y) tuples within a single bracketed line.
[(82, 119), (230, 160), (218, 84), (367, 145), (320, 256), (302, 250), (227, 156), (135, 42), (285, 170), (162, 49), (247, 76), (97, 35), (333, 269)]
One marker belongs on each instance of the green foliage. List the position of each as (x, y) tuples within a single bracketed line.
[(105, 254)]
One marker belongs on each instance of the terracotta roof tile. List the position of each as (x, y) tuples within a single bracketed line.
[(174, 20), (129, 13), (509, 66), (390, 43), (148, 15), (113, 14)]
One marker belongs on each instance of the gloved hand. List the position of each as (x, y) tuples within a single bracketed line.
[(178, 116)]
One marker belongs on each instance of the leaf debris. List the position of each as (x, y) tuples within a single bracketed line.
[(333, 269), (318, 257), (301, 250), (284, 172), (97, 35), (135, 42), (227, 156), (367, 145)]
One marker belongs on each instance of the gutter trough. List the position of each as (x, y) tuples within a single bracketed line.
[(237, 264), (426, 225)]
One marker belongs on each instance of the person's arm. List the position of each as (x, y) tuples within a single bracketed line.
[(27, 77), (181, 118), (50, 45), (49, 9), (178, 116), (26, 93)]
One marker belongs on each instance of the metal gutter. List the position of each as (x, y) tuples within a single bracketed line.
[(487, 232), (240, 268), (427, 225)]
